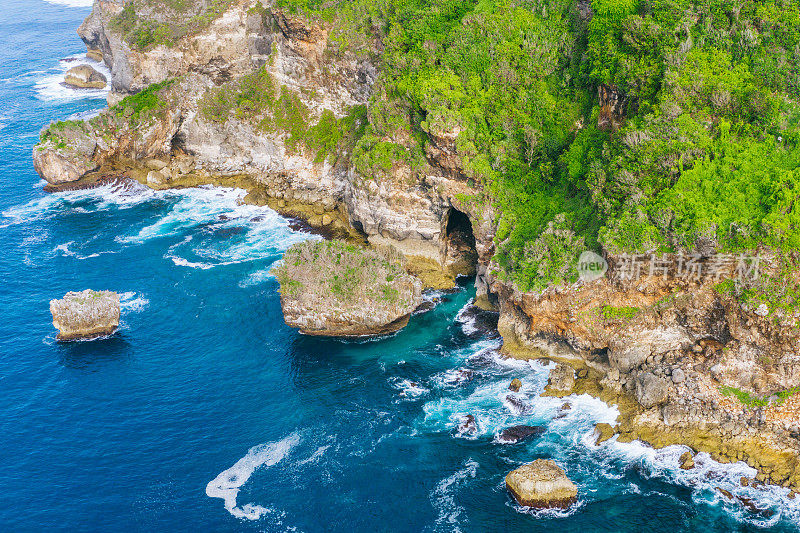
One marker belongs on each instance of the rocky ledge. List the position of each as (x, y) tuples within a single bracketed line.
[(542, 484), (331, 288), (85, 315)]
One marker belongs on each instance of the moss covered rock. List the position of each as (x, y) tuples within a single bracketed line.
[(331, 288)]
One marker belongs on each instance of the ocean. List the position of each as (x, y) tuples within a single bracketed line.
[(206, 413)]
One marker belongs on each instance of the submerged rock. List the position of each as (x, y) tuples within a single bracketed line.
[(515, 434), (85, 77), (86, 315), (335, 289), (543, 484)]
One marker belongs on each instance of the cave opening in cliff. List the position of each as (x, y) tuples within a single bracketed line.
[(459, 239)]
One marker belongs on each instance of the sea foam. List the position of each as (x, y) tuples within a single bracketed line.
[(50, 85), (227, 484), (71, 3)]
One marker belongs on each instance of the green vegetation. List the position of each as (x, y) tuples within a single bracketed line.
[(618, 313), (708, 150), (143, 105), (258, 99), (56, 134), (755, 401), (344, 275), (172, 20)]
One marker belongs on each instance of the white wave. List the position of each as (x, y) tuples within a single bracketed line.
[(227, 484), (706, 477), (223, 230), (443, 498), (257, 277), (133, 302), (71, 3), (50, 86), (468, 321), (81, 201), (409, 389)]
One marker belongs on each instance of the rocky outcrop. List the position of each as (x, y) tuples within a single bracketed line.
[(85, 315), (85, 77), (515, 434), (676, 356), (333, 289), (542, 484)]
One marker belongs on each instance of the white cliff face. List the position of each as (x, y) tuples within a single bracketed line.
[(400, 209)]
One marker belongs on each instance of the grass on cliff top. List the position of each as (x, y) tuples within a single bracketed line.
[(175, 19), (55, 133), (342, 274)]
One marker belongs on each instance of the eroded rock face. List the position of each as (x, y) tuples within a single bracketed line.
[(86, 315), (85, 77), (562, 378), (543, 484), (333, 289)]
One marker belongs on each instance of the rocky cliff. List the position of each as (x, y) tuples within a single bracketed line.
[(251, 94), (265, 96)]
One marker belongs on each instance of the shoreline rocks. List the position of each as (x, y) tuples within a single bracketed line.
[(541, 484), (85, 77), (86, 315)]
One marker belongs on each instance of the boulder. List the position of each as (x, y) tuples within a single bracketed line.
[(86, 315), (515, 434), (686, 461), (603, 432), (625, 356), (542, 484), (651, 390), (515, 385), (562, 378), (336, 289), (85, 77)]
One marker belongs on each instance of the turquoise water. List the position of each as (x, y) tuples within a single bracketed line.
[(205, 412)]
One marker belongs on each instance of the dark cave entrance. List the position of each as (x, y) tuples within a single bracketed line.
[(461, 256)]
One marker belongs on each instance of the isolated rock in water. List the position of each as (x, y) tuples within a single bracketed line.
[(541, 483), (467, 425), (515, 385), (85, 77), (515, 434), (562, 378), (85, 315), (331, 288), (686, 461)]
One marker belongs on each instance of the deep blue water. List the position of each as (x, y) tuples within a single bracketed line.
[(206, 413)]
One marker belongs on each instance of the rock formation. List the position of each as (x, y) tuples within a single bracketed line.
[(543, 484), (85, 315), (515, 434), (331, 288), (85, 77)]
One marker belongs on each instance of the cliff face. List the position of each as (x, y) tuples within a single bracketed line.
[(687, 362), (256, 93)]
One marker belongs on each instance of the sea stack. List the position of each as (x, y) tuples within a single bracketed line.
[(336, 289), (85, 77), (542, 484), (85, 315)]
